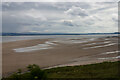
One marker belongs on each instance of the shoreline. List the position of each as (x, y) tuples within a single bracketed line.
[(65, 52)]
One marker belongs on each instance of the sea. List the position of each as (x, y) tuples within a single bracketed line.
[(18, 38)]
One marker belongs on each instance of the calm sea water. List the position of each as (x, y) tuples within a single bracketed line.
[(17, 38)]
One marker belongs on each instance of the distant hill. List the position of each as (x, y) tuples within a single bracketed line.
[(29, 34)]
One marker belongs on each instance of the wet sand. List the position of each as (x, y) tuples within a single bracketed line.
[(64, 52)]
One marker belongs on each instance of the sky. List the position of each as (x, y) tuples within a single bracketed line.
[(60, 17)]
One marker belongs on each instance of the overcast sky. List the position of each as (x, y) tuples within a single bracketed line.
[(60, 17)]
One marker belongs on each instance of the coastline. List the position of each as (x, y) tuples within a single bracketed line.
[(64, 53)]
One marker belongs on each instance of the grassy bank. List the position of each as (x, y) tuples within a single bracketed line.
[(98, 70)]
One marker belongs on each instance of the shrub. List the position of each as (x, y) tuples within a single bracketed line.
[(34, 73)]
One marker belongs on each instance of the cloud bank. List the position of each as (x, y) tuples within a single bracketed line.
[(60, 17)]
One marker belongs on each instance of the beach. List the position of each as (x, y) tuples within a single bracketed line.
[(53, 52)]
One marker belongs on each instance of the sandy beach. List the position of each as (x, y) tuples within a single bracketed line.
[(49, 53)]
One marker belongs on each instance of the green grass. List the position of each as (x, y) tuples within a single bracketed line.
[(98, 70)]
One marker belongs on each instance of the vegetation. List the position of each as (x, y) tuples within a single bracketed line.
[(98, 70), (34, 73)]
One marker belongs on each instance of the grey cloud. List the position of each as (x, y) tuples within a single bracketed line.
[(68, 23), (114, 19), (104, 6), (18, 6), (57, 17), (68, 5), (77, 11)]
